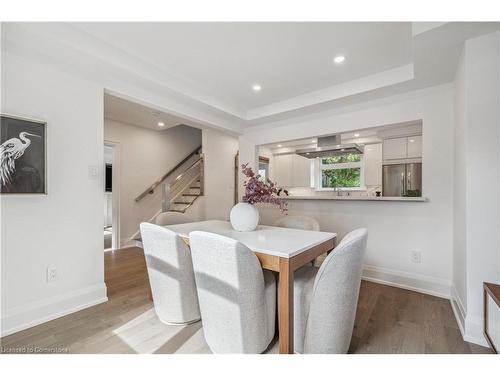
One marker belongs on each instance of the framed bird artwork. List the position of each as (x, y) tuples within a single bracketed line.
[(23, 156)]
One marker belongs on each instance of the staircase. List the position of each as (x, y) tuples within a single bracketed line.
[(181, 186), (187, 198)]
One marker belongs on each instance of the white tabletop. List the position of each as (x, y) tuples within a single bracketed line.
[(282, 242)]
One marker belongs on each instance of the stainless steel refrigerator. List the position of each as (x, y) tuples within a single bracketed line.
[(402, 180)]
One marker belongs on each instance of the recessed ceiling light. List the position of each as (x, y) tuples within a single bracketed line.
[(313, 141), (307, 153), (279, 145), (356, 134), (161, 124), (256, 87), (339, 59), (412, 140)]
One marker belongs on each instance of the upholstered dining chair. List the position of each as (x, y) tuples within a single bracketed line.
[(298, 222), (325, 299), (170, 272), (237, 297)]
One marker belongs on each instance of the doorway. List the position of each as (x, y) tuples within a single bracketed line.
[(111, 230)]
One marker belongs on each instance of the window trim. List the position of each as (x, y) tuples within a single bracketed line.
[(319, 167)]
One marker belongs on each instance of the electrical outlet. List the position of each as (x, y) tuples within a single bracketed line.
[(416, 257), (51, 274)]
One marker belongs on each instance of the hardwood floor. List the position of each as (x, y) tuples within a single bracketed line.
[(394, 320), (388, 320)]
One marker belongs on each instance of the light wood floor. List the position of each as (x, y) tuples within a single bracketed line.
[(388, 320)]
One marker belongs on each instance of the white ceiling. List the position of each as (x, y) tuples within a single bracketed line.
[(204, 71), (286, 59), (128, 112)]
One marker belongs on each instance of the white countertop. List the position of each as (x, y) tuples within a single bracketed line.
[(282, 242), (354, 198)]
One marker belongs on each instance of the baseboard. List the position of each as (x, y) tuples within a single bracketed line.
[(458, 309), (134, 244), (474, 331), (35, 313), (405, 280), (126, 243)]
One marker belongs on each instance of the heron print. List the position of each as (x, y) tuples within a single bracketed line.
[(11, 150), (22, 156)]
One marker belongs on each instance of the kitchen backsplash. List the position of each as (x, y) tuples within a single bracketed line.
[(304, 191)]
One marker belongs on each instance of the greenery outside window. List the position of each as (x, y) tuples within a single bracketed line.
[(342, 172)]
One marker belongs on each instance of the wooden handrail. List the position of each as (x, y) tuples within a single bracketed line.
[(152, 188)]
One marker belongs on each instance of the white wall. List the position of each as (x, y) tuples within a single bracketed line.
[(219, 149), (477, 214), (64, 228), (145, 155), (459, 288), (248, 154), (395, 228)]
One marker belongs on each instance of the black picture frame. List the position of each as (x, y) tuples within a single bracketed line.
[(23, 155)]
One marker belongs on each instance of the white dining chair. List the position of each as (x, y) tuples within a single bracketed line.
[(298, 222), (237, 297), (171, 276), (325, 299)]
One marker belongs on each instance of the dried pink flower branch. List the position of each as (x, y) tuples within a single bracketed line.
[(259, 191)]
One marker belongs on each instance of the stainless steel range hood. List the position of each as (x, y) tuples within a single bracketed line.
[(330, 146)]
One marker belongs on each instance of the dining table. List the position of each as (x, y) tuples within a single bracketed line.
[(282, 250)]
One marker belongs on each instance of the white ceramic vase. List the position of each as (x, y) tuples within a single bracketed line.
[(244, 217)]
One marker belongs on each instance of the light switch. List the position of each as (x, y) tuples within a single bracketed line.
[(93, 172), (51, 274)]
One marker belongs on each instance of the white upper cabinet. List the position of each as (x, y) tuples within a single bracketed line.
[(415, 146), (403, 148), (291, 170), (395, 148), (373, 164)]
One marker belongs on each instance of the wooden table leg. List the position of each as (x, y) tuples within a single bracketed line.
[(334, 246), (285, 307)]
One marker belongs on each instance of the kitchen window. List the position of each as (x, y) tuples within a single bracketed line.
[(341, 172)]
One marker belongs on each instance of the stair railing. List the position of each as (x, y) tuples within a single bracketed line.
[(173, 190), (151, 189)]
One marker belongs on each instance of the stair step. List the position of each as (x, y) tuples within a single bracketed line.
[(195, 187), (183, 202), (181, 211), (190, 195)]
